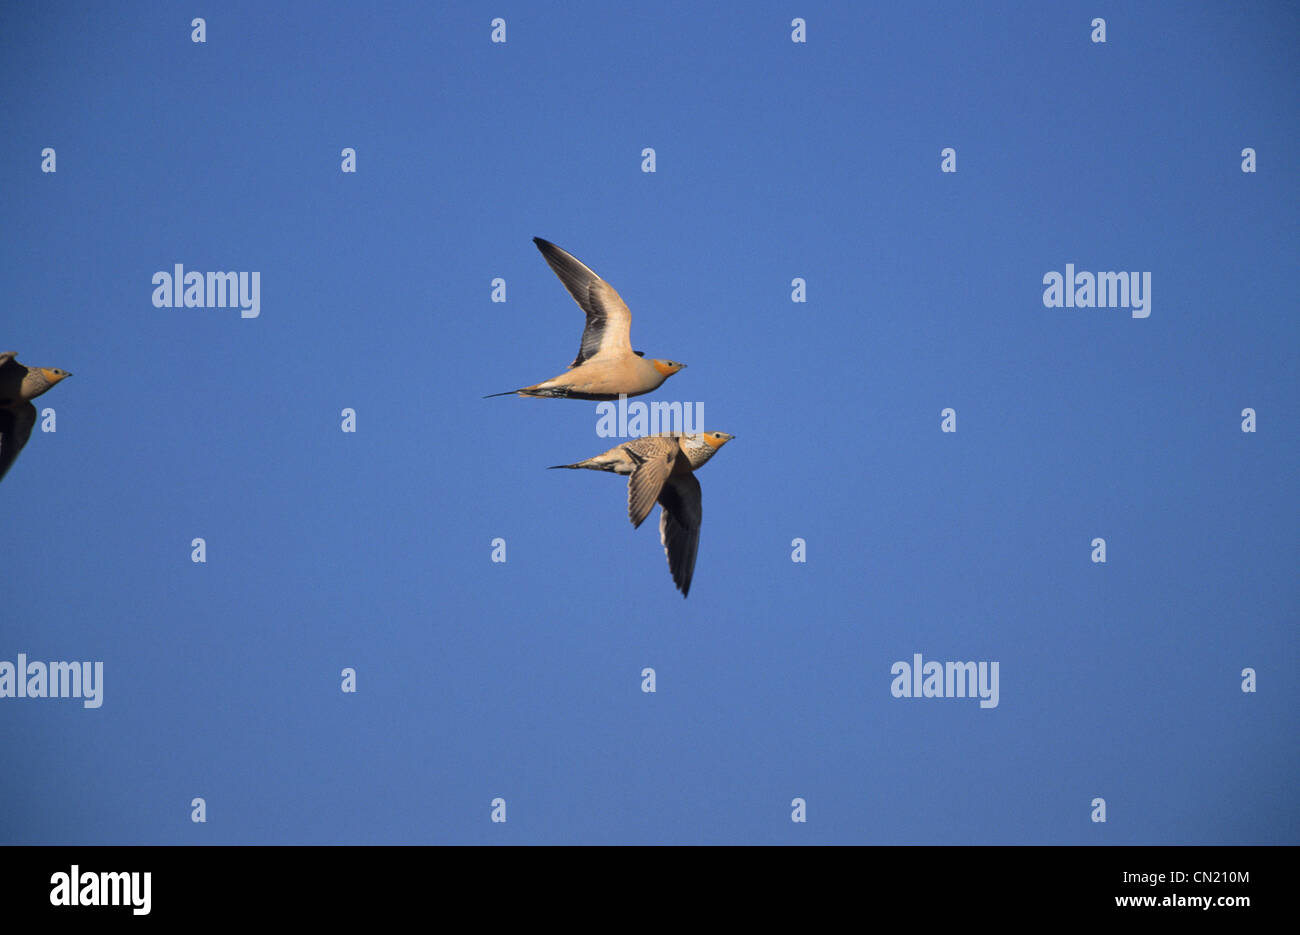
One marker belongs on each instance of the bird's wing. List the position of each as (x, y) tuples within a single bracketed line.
[(654, 458), (6, 357), (15, 428), (609, 322), (679, 527)]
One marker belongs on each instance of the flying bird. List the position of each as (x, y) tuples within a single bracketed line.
[(19, 385), (606, 366), (662, 469)]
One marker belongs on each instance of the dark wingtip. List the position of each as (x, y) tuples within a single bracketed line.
[(506, 393)]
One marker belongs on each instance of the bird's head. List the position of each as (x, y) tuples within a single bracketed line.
[(53, 374), (702, 446), (667, 367)]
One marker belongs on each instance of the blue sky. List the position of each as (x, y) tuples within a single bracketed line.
[(521, 680)]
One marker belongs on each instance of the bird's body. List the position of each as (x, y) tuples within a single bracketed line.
[(606, 366), (19, 385), (661, 469)]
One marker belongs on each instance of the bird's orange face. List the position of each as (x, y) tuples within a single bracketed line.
[(54, 374), (667, 367), (716, 440)]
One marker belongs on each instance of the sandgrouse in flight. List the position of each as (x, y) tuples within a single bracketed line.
[(662, 469), (19, 385), (606, 366)]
